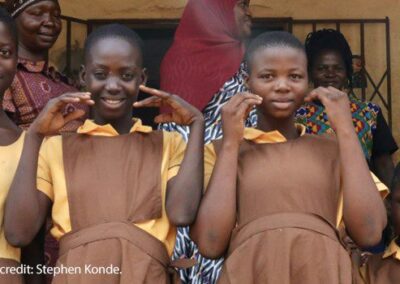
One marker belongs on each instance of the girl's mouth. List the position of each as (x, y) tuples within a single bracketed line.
[(113, 103)]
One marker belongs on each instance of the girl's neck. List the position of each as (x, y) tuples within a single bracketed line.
[(285, 126), (122, 125), (25, 53)]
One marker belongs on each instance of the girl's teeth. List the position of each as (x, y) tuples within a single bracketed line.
[(113, 102)]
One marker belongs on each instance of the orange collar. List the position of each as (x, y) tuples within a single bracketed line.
[(91, 128), (259, 136)]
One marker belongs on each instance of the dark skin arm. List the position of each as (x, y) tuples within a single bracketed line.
[(217, 214), (26, 207), (363, 210), (184, 191)]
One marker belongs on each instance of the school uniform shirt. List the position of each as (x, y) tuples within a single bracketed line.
[(9, 159), (51, 178), (261, 137)]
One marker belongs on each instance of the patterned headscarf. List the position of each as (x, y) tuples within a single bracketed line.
[(15, 7)]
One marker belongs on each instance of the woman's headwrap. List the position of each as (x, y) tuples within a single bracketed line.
[(15, 7), (206, 52)]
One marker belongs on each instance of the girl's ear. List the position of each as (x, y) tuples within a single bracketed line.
[(82, 76), (144, 76)]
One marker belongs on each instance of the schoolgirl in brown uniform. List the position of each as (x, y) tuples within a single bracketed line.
[(11, 141), (384, 268), (271, 205), (116, 189)]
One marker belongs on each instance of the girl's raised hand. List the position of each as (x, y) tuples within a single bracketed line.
[(235, 112), (337, 106), (52, 119), (182, 113)]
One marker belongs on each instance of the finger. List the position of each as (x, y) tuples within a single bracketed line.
[(74, 100), (74, 115), (312, 96), (238, 99), (164, 118), (176, 102), (84, 97), (154, 92), (244, 108), (336, 91), (320, 94), (80, 95), (149, 102)]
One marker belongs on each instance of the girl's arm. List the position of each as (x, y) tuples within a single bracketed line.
[(363, 209), (184, 191), (26, 207), (217, 214)]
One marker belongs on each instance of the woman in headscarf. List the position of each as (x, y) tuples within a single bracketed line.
[(204, 66)]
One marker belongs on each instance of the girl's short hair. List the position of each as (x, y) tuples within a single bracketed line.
[(113, 31), (271, 39)]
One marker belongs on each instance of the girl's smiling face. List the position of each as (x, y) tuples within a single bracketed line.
[(113, 74), (8, 58), (279, 75)]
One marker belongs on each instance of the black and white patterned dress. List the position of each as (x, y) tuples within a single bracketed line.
[(207, 271)]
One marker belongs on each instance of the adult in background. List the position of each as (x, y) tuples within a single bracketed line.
[(330, 65), (39, 25), (204, 66)]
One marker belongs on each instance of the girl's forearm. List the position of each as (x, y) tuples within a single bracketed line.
[(364, 211)]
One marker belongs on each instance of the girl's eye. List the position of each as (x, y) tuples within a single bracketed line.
[(127, 76), (5, 52), (100, 75), (296, 76), (266, 76)]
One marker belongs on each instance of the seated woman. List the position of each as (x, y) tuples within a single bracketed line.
[(330, 64)]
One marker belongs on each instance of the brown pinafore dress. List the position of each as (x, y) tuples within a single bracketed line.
[(382, 271), (8, 278), (287, 204), (113, 182)]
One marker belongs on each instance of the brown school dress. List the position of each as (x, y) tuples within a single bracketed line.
[(382, 270), (8, 278), (113, 182), (287, 206)]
